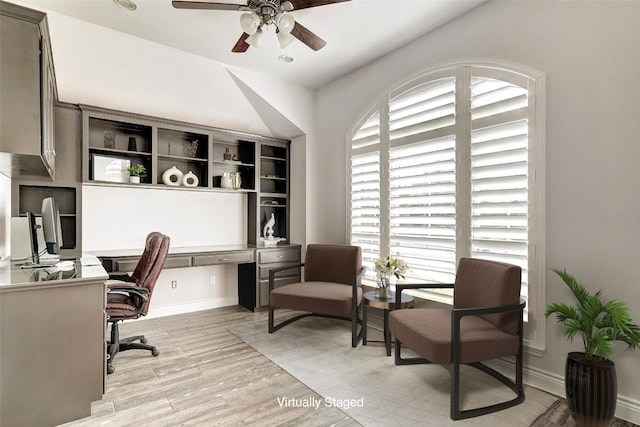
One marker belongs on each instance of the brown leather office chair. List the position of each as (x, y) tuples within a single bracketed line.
[(128, 297), (331, 287), (485, 323)]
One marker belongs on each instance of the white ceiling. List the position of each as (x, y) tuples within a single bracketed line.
[(357, 32)]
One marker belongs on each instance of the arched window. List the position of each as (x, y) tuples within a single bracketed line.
[(449, 165)]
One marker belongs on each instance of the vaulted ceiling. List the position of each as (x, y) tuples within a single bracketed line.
[(357, 32)]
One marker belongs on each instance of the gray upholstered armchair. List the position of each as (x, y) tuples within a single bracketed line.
[(484, 323), (331, 287)]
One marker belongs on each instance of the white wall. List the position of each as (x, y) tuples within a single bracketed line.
[(120, 218), (588, 51)]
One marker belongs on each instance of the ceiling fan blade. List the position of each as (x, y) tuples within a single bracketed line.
[(183, 4), (307, 37), (241, 45), (304, 4)]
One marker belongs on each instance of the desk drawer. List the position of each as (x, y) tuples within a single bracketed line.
[(177, 262), (129, 264), (266, 256), (223, 258), (264, 271), (124, 265)]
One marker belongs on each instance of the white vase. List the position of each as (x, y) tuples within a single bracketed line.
[(134, 179), (190, 179), (172, 176), (225, 180)]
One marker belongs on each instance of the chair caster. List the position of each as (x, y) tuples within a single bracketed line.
[(110, 369), (155, 352)]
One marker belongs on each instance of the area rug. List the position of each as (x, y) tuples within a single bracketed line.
[(370, 388), (558, 415)]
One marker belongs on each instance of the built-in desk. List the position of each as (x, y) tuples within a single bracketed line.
[(253, 263), (52, 344)]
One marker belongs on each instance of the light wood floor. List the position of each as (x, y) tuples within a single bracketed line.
[(207, 376), (204, 376)]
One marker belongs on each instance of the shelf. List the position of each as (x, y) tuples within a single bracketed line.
[(182, 158), (116, 152), (277, 178), (232, 162), (278, 159)]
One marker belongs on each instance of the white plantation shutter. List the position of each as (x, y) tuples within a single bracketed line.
[(447, 169), (499, 173), (422, 180), (365, 191)]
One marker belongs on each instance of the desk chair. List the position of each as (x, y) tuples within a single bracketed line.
[(128, 297), (331, 287), (484, 323)]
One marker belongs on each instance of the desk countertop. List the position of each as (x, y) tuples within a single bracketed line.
[(14, 277)]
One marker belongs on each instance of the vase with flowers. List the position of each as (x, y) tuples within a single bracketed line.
[(385, 268)]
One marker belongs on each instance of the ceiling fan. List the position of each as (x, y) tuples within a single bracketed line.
[(261, 13)]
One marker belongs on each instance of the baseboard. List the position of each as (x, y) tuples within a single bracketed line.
[(191, 307), (627, 409)]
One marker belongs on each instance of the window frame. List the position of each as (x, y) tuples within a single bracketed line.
[(462, 71)]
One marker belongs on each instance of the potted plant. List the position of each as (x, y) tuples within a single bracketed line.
[(136, 172), (590, 376), (385, 268)]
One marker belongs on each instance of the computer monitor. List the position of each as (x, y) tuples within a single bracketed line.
[(33, 238), (51, 228)]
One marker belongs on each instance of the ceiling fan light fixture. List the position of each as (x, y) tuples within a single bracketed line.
[(249, 23), (126, 4), (285, 22), (285, 39), (255, 39)]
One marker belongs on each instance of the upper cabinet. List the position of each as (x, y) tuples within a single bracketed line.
[(178, 154), (27, 85)]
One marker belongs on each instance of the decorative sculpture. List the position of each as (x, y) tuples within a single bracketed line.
[(267, 232)]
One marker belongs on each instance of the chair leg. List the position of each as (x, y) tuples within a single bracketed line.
[(117, 345), (399, 360), (516, 386), (271, 326), (113, 347)]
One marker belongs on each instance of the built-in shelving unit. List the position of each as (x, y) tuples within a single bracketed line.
[(234, 155), (31, 196), (186, 150), (113, 145), (274, 187), (114, 140)]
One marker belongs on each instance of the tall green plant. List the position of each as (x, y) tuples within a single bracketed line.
[(599, 323)]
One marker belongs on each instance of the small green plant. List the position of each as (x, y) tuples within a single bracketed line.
[(137, 170), (599, 323)]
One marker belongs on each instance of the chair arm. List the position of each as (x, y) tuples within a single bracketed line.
[(273, 271), (121, 277), (477, 311), (402, 287), (458, 313), (140, 295), (129, 288), (354, 291)]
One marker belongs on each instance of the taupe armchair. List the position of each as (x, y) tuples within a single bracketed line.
[(485, 323), (331, 287), (129, 297)]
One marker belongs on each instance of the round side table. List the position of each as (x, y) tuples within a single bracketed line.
[(372, 299)]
